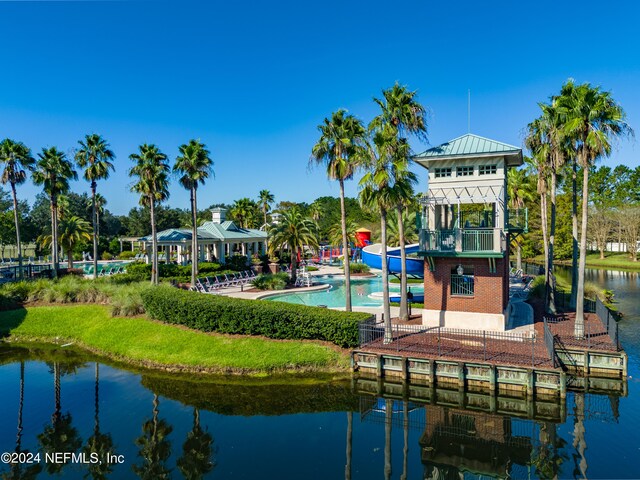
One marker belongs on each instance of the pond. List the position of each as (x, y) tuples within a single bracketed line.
[(316, 427)]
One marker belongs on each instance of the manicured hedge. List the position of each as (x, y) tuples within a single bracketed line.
[(213, 313)]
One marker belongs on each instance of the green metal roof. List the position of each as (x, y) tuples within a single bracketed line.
[(469, 145), (227, 231)]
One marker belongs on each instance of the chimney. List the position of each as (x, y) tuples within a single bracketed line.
[(218, 214)]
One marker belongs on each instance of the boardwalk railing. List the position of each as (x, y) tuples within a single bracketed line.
[(550, 343), (608, 320), (476, 345)]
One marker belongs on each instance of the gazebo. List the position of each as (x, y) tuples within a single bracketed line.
[(219, 238)]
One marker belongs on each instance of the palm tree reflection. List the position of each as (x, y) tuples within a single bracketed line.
[(197, 451)]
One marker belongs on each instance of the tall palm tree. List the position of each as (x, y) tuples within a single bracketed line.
[(294, 231), (196, 460), (376, 194), (594, 119), (410, 234), (520, 191), (53, 171), (265, 199), (152, 170), (95, 157), (404, 115), (101, 202), (340, 149), (194, 165), (16, 160), (70, 231)]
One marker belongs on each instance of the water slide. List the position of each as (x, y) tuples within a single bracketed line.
[(371, 255)]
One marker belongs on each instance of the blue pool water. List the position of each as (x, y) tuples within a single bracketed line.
[(334, 295)]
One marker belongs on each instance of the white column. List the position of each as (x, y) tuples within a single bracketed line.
[(179, 248)]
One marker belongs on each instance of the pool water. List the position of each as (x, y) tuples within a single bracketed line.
[(334, 295)]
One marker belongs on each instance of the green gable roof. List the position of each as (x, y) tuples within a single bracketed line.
[(226, 231), (470, 145)]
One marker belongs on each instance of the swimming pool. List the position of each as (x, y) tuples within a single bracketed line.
[(334, 295)]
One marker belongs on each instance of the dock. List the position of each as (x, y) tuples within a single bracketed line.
[(538, 363)]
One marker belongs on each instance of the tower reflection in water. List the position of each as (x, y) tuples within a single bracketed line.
[(468, 433)]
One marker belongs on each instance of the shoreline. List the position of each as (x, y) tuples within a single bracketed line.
[(595, 265), (170, 344)]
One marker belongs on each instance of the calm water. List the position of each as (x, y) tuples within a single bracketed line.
[(174, 427)]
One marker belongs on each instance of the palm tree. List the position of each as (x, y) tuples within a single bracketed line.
[(593, 120), (152, 170), (194, 165), (539, 163), (53, 171), (293, 231), (244, 211), (17, 160), (404, 115), (265, 199), (70, 231), (410, 234), (196, 459), (519, 192), (339, 148), (376, 195), (95, 157), (101, 202), (335, 232)]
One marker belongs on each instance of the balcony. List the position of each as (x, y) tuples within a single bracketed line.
[(468, 240)]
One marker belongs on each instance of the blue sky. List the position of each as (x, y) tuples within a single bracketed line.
[(254, 79)]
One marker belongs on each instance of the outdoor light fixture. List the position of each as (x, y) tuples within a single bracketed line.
[(460, 270)]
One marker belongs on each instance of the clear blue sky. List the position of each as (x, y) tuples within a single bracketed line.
[(253, 79)]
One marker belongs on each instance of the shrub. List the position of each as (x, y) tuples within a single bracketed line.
[(236, 262), (127, 255), (127, 301), (214, 313), (312, 269), (267, 281), (107, 256), (359, 268)]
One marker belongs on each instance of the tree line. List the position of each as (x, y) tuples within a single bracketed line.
[(575, 128)]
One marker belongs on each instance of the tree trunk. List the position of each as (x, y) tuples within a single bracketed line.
[(294, 263), (601, 252), (545, 242), (574, 234), (551, 277), (16, 217), (95, 229), (54, 236), (518, 255), (582, 263), (388, 333), (70, 258), (154, 244), (345, 249), (404, 312), (194, 237)]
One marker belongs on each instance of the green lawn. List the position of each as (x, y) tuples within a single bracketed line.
[(611, 260), (143, 342)]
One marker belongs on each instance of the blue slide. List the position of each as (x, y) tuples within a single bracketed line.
[(372, 257)]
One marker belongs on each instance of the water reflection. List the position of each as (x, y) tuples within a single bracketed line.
[(164, 426)]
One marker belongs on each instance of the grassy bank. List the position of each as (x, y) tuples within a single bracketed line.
[(613, 261), (144, 342)]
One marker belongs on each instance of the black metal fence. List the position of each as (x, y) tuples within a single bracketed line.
[(35, 270), (609, 321), (479, 345), (550, 343)]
